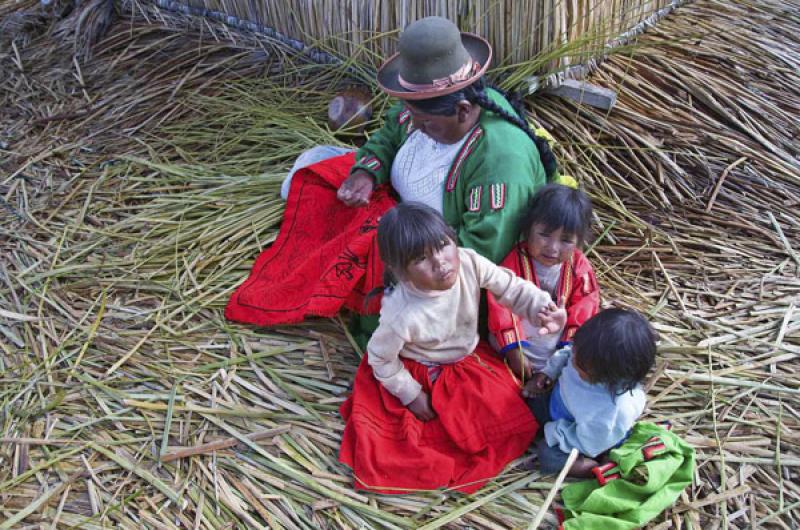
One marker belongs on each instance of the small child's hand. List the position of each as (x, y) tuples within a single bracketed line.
[(539, 384), (552, 319), (421, 407), (519, 364)]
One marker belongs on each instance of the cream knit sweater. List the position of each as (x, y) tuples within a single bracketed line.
[(442, 326)]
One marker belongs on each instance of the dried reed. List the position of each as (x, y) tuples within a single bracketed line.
[(138, 186)]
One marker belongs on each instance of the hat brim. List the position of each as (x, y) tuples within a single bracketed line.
[(479, 49)]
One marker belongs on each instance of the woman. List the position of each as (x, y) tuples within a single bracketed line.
[(452, 143)]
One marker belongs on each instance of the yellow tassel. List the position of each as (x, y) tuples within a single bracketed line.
[(543, 133), (566, 180)]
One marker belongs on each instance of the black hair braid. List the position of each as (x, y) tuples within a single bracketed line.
[(389, 280), (545, 153), (514, 98), (389, 283)]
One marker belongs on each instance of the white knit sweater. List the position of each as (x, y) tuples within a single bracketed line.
[(442, 326)]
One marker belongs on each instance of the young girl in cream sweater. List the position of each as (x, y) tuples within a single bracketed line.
[(432, 406)]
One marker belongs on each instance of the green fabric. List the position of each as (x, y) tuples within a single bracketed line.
[(361, 328), (645, 489), (502, 155)]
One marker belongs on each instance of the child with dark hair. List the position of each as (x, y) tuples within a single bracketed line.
[(589, 395), (432, 406), (554, 226)]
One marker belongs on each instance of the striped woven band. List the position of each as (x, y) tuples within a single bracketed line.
[(462, 74)]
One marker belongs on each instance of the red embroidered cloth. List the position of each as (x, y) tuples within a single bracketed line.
[(325, 256)]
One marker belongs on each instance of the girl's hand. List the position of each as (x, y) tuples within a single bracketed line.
[(552, 319), (421, 407), (357, 188), (519, 364), (539, 384)]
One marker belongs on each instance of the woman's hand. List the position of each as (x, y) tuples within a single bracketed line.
[(357, 188), (552, 319), (421, 407), (539, 384), (519, 364)]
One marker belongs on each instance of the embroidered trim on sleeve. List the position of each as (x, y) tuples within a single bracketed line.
[(527, 268), (405, 118), (475, 199), (370, 162), (567, 279), (498, 195)]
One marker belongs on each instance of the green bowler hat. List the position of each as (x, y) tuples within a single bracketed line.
[(434, 59)]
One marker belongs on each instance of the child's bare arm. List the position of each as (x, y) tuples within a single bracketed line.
[(519, 363), (509, 290)]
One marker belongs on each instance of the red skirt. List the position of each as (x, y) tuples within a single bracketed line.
[(482, 424)]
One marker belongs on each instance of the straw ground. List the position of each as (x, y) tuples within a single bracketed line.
[(140, 181)]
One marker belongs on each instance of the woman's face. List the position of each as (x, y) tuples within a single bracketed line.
[(550, 247), (445, 129), (435, 271)]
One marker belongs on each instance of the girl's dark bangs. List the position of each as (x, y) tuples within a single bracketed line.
[(410, 230), (424, 238), (564, 220)]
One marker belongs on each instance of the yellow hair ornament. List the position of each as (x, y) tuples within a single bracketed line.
[(566, 180), (544, 134)]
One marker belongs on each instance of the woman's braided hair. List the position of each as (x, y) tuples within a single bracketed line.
[(476, 93)]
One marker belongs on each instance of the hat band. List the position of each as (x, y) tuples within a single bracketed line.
[(462, 74)]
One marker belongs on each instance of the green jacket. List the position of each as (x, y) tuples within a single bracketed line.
[(489, 184)]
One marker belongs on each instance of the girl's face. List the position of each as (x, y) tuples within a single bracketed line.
[(435, 271), (550, 247)]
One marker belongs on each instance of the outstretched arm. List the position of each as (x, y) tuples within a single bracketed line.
[(519, 295)]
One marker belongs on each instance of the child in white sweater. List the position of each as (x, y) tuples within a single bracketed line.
[(432, 406)]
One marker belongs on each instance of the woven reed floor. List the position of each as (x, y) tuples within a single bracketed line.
[(138, 181)]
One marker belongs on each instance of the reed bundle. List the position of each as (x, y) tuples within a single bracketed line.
[(137, 186), (517, 29)]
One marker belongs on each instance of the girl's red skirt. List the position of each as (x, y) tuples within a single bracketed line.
[(482, 424)]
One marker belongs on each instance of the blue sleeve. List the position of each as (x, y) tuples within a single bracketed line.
[(556, 363)]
